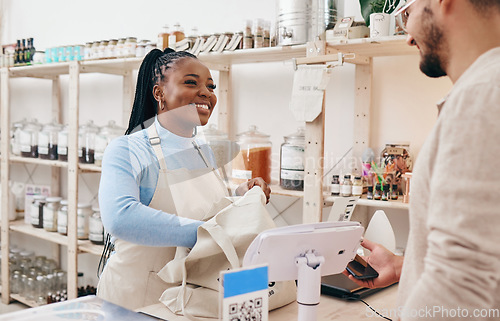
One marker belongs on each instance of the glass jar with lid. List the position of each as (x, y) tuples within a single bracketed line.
[(15, 134), (50, 213), (47, 141), (109, 51), (86, 142), (62, 143), (101, 50), (15, 281), (83, 214), (87, 53), (94, 50), (129, 47), (119, 49), (104, 137), (222, 148), (96, 229), (292, 158), (62, 218), (36, 210), (254, 157), (28, 139)]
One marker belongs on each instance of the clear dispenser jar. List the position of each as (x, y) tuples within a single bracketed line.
[(62, 218), (50, 213), (292, 158), (47, 141), (83, 214), (62, 144), (221, 146), (96, 229), (37, 207), (254, 158), (28, 139), (104, 137), (86, 142), (17, 127)]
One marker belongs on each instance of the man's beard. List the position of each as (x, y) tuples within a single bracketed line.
[(432, 62)]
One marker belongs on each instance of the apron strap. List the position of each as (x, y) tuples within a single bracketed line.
[(154, 140)]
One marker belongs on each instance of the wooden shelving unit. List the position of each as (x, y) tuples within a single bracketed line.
[(358, 51)]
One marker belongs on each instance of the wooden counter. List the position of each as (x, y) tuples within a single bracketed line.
[(329, 309)]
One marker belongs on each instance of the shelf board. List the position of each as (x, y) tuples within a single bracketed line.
[(89, 247), (397, 204), (89, 168), (374, 47), (83, 245), (119, 66), (37, 161), (23, 300)]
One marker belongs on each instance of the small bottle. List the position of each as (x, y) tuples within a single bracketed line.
[(386, 192), (378, 192), (369, 193), (162, 41), (394, 192), (346, 188), (335, 186), (357, 186)]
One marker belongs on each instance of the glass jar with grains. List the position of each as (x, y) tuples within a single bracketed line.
[(254, 157)]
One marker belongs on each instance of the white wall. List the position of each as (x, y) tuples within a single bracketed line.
[(403, 99)]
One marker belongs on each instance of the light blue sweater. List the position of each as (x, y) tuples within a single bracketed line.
[(128, 182)]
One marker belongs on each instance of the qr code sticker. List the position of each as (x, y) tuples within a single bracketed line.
[(249, 310)]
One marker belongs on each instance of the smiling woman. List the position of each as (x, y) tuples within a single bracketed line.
[(159, 182)]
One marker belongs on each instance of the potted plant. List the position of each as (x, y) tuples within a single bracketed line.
[(379, 11)]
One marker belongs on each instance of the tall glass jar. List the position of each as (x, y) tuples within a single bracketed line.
[(254, 158), (86, 142), (36, 212), (47, 141), (62, 143), (50, 213), (96, 229), (17, 127), (222, 147), (83, 213), (62, 218), (28, 139), (104, 137), (292, 158)]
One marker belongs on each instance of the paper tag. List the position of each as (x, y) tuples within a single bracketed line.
[(309, 83), (244, 294)]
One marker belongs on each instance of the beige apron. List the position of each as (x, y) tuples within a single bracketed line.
[(130, 276)]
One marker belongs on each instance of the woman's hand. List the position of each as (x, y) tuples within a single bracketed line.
[(258, 181), (387, 264)]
